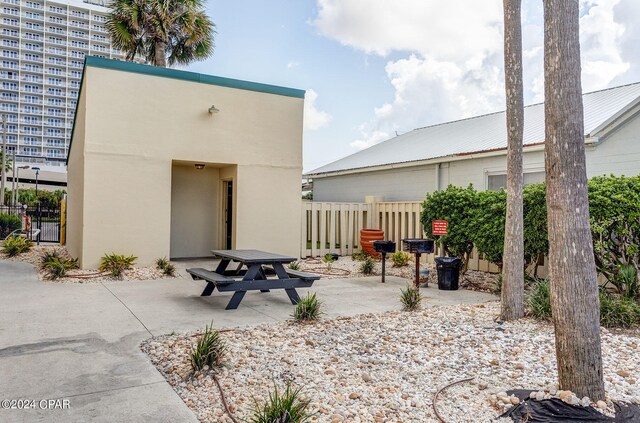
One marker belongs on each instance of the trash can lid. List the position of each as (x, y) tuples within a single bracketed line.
[(452, 261)]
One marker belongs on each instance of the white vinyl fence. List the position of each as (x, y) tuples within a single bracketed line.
[(332, 227), (335, 228)]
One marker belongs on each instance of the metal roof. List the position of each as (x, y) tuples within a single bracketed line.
[(481, 133)]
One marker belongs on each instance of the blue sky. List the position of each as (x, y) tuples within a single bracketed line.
[(374, 67)]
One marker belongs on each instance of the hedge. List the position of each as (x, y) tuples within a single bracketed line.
[(477, 219)]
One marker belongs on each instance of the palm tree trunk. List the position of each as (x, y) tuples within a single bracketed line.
[(513, 260), (574, 288), (160, 57)]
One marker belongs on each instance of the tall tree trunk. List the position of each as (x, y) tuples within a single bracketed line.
[(160, 56), (513, 258), (574, 288)]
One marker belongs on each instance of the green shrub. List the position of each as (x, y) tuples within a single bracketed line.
[(294, 265), (487, 225), (55, 263), (116, 264), (455, 205), (367, 266), (8, 224), (410, 298), (400, 258), (287, 407), (615, 226), (210, 350), (167, 268), (16, 245), (539, 299), (360, 255), (308, 308), (536, 241), (618, 311)]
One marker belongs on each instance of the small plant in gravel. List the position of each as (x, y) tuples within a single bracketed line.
[(367, 266), (329, 259), (286, 407), (410, 298), (497, 285), (539, 299), (210, 350), (360, 255), (618, 311), (400, 258), (116, 264), (16, 246), (167, 268), (294, 265), (309, 308), (55, 263)]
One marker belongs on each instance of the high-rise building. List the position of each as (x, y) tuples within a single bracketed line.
[(43, 45)]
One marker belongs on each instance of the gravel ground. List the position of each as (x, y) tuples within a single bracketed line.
[(33, 256), (387, 367)]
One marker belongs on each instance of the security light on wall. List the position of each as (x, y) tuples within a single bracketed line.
[(213, 109), (199, 166)]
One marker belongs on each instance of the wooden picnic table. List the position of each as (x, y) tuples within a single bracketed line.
[(256, 270)]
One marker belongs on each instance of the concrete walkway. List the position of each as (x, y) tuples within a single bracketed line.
[(80, 342)]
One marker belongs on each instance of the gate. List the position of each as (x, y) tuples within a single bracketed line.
[(47, 219)]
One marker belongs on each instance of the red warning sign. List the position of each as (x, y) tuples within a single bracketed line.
[(439, 227)]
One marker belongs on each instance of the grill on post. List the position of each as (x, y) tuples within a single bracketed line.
[(384, 247), (418, 246)]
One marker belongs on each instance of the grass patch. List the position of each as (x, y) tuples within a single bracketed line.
[(400, 259), (410, 298), (55, 264), (210, 350), (539, 299), (116, 264), (167, 268), (294, 265), (309, 308), (16, 246), (618, 311), (285, 407), (367, 266)]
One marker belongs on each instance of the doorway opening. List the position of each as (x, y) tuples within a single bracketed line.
[(228, 214)]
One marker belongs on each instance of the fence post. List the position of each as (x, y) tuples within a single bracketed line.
[(63, 221), (372, 212)]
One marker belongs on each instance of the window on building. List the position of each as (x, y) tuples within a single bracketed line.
[(495, 182)]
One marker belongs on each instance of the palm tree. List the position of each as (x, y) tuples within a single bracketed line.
[(513, 270), (8, 164), (572, 270), (161, 31)]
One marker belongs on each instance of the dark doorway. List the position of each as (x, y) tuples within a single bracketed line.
[(228, 214)]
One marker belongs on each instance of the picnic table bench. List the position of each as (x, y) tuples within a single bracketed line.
[(264, 272)]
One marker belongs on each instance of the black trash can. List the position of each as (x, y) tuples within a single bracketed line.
[(448, 272)]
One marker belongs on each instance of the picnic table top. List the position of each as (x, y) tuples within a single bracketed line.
[(252, 256)]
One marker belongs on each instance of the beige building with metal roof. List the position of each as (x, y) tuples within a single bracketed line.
[(167, 163), (407, 167)]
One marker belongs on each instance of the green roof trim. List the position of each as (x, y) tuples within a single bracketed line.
[(99, 62)]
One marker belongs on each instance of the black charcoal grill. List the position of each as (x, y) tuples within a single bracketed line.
[(418, 246), (384, 247)]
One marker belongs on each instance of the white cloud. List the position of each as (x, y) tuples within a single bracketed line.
[(313, 117), (293, 64), (453, 67), (369, 139)]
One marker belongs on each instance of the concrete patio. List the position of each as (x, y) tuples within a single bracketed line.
[(79, 342)]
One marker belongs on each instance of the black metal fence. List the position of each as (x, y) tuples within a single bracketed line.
[(47, 219)]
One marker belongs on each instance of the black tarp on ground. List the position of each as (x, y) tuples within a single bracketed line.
[(556, 411)]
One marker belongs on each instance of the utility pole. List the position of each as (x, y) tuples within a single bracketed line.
[(4, 158)]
